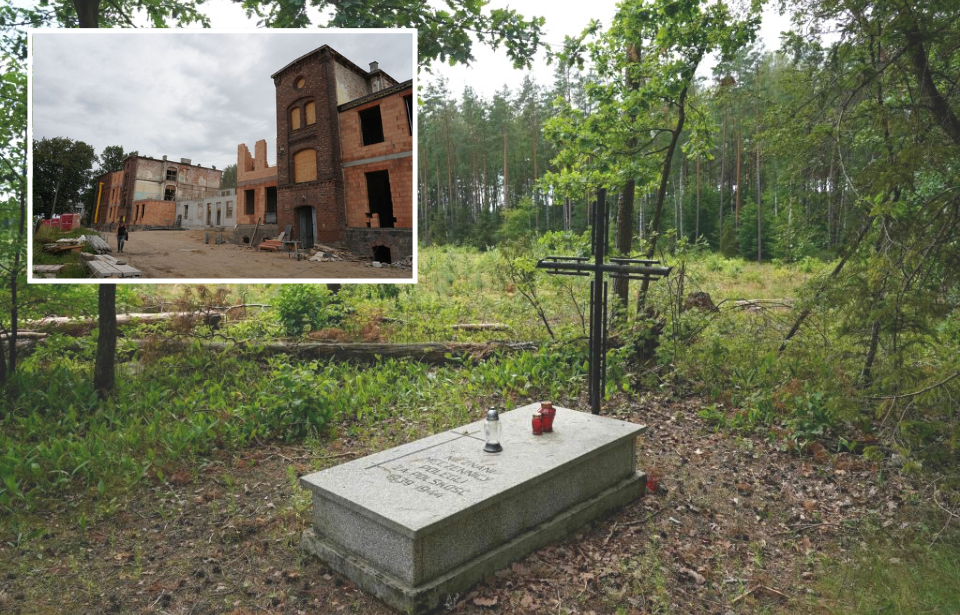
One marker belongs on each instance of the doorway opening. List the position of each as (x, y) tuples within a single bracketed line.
[(380, 200), (270, 215), (381, 254), (305, 226)]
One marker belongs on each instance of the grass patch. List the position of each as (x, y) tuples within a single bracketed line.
[(73, 268), (60, 439), (886, 577)]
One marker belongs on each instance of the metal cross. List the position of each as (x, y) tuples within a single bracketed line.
[(628, 268)]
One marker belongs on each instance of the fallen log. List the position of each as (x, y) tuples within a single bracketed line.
[(75, 326), (24, 335), (481, 326), (430, 352)]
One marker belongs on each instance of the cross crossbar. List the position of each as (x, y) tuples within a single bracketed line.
[(622, 268)]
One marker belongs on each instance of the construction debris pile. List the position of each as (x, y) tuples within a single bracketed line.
[(97, 244), (406, 263), (64, 245), (326, 254)]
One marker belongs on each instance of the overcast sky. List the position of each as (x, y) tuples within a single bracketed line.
[(492, 69), (183, 94)]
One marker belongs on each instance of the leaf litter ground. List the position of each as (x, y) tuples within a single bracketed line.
[(739, 527)]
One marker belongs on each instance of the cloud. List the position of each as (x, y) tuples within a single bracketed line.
[(193, 95)]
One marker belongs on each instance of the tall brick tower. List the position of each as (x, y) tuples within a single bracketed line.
[(322, 99), (309, 177)]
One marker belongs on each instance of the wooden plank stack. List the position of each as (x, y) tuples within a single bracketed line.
[(64, 245)]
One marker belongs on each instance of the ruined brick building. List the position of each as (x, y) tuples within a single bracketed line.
[(344, 170), (145, 192), (212, 212)]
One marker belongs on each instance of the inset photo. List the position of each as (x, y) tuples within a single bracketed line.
[(223, 156)]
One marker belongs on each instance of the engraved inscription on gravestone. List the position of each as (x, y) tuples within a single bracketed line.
[(438, 475)]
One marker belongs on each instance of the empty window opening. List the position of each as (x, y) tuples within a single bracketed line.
[(270, 216), (381, 202), (246, 239), (305, 166), (249, 200), (169, 193), (186, 211), (311, 112), (381, 254), (172, 174), (371, 126), (408, 103), (294, 118)]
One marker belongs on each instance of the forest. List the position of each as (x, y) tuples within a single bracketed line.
[(798, 371)]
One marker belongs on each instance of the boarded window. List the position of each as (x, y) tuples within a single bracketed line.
[(408, 103), (294, 119), (371, 126), (299, 84), (305, 166), (311, 112), (248, 195)]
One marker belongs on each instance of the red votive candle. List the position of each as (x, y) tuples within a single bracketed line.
[(548, 412), (537, 424)]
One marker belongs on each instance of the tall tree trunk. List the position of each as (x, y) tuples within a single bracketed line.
[(621, 286), (56, 195), (759, 210), (536, 173), (697, 228), (88, 13), (736, 207), (103, 374), (654, 233), (931, 96), (866, 376), (723, 158), (506, 174)]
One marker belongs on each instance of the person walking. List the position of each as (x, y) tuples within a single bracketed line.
[(121, 235)]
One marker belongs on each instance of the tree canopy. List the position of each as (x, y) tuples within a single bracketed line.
[(61, 173)]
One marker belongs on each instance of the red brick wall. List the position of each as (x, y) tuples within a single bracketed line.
[(396, 133), (326, 193), (154, 212), (109, 195), (401, 191)]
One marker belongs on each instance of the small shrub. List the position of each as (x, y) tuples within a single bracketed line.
[(307, 307)]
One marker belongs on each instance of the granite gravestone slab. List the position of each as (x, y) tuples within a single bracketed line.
[(426, 520)]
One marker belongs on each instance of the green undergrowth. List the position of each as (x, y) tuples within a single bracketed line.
[(59, 438), (71, 260), (896, 573)]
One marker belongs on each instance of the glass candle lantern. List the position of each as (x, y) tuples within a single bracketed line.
[(537, 424), (491, 431), (549, 413)]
